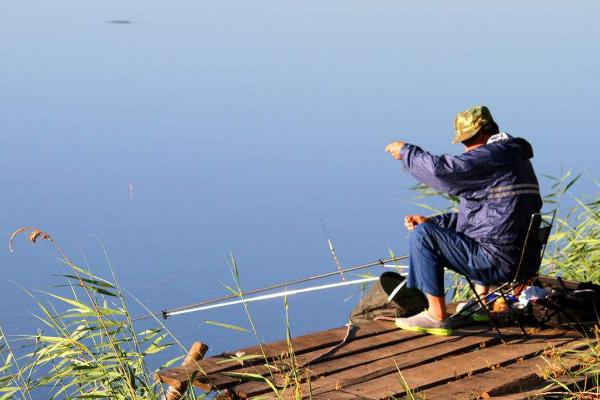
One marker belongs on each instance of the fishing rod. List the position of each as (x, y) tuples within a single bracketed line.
[(273, 295), (333, 252), (166, 313), (287, 293)]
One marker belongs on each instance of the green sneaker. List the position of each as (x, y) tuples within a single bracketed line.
[(425, 323), (480, 316), (477, 316)]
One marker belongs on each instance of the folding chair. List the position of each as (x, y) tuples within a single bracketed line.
[(527, 268)]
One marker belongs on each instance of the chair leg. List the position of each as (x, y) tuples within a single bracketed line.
[(487, 311), (513, 314)]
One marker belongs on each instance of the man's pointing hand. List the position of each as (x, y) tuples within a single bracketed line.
[(394, 149)]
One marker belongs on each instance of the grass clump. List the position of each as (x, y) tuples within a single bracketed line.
[(88, 347), (574, 247), (573, 373)]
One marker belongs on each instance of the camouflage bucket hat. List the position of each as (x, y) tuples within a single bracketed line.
[(468, 122)]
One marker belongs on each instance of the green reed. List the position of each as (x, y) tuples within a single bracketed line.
[(574, 246), (87, 346)]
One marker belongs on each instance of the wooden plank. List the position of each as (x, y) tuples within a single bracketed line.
[(454, 367), (364, 352), (196, 353), (415, 352), (301, 344), (447, 369), (574, 383), (514, 378), (389, 365), (369, 343)]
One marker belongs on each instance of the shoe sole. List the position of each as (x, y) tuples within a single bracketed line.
[(431, 331)]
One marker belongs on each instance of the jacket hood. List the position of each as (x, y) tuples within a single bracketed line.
[(520, 145)]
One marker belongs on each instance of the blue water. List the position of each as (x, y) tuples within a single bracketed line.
[(201, 128)]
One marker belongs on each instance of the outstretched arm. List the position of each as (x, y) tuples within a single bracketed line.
[(455, 175)]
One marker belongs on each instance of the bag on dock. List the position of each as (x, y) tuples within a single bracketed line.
[(375, 303), (569, 307)]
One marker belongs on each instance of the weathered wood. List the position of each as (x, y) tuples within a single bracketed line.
[(408, 359), (413, 352), (368, 357), (515, 378), (565, 383), (176, 390), (210, 367), (470, 364), (381, 347), (449, 368), (366, 345)]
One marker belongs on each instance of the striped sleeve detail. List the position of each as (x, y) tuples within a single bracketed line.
[(513, 190)]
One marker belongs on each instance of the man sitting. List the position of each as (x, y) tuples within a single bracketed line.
[(498, 192)]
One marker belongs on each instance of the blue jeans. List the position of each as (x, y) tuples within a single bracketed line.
[(432, 248)]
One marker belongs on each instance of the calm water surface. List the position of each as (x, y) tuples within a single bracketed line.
[(201, 128)]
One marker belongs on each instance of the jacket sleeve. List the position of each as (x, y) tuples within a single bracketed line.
[(456, 175), (447, 220)]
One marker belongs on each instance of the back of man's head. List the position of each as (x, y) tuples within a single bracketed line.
[(481, 137)]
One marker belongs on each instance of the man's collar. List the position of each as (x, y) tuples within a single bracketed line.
[(499, 137)]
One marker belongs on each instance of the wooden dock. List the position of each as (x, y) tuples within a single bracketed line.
[(380, 361)]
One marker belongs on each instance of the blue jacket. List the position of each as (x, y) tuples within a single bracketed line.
[(497, 187)]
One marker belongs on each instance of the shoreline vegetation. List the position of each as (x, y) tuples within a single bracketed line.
[(87, 345)]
